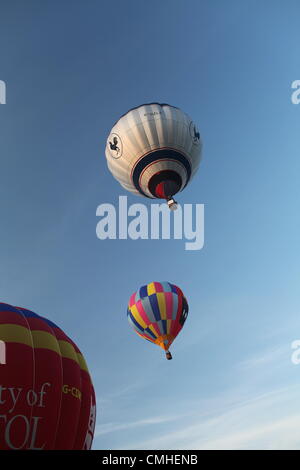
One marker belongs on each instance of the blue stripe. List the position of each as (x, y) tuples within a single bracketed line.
[(133, 320), (150, 333), (143, 292), (133, 325), (156, 156), (174, 289), (8, 308), (26, 313), (155, 306), (164, 324), (30, 314)]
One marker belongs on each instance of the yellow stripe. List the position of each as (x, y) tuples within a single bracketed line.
[(15, 334), (169, 323), (137, 316), (45, 340), (11, 333), (82, 363), (151, 288), (153, 331), (68, 351), (162, 305)]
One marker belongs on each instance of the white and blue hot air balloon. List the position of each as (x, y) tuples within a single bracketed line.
[(154, 150)]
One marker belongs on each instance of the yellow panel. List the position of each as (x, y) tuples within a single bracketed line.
[(169, 323), (153, 330), (67, 350), (10, 333), (45, 340), (82, 363), (162, 305), (137, 316), (151, 288)]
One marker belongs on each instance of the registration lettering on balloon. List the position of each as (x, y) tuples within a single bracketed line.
[(154, 113), (73, 390)]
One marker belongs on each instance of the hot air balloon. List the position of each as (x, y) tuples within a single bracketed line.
[(47, 399), (154, 150), (157, 312)]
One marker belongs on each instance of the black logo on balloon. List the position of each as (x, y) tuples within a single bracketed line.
[(195, 134), (115, 145), (185, 311)]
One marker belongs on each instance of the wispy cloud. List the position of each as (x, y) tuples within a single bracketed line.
[(114, 427), (263, 416), (266, 358), (265, 422), (122, 393)]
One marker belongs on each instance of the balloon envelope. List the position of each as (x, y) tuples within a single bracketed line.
[(47, 399), (157, 312), (154, 150)]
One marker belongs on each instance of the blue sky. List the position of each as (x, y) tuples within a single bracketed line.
[(71, 69)]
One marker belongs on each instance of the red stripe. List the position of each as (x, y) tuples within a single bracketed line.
[(176, 327), (83, 422), (48, 389), (12, 318), (158, 287), (70, 406)]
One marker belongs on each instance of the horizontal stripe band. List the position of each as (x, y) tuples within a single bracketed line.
[(38, 339)]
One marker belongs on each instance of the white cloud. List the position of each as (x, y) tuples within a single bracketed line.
[(255, 413), (271, 356), (114, 427), (268, 421)]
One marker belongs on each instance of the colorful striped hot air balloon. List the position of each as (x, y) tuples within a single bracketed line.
[(47, 399), (157, 312), (154, 150)]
